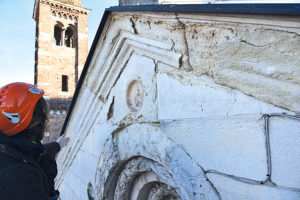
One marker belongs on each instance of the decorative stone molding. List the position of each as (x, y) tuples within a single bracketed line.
[(142, 179), (123, 174), (126, 44), (68, 7), (69, 12)]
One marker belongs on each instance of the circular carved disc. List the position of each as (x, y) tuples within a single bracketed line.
[(135, 95)]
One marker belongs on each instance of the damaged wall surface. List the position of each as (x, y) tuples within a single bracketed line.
[(187, 106)]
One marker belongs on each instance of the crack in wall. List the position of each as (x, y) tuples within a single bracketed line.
[(264, 45), (155, 100), (187, 52), (113, 41), (173, 45), (107, 28), (296, 34), (120, 73), (115, 139), (133, 25), (149, 24), (110, 112), (268, 150), (244, 41), (202, 168)]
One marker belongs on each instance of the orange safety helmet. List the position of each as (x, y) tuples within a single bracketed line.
[(17, 103)]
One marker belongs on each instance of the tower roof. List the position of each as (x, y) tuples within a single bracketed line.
[(71, 2)]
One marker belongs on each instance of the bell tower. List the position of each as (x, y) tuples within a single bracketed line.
[(61, 45), (61, 48)]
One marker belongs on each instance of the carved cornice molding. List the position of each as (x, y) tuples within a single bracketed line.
[(61, 5), (126, 44)]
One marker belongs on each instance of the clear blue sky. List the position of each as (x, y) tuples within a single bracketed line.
[(17, 33)]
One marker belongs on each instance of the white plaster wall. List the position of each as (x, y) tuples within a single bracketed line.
[(207, 81)]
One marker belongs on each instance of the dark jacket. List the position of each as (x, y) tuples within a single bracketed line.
[(27, 169)]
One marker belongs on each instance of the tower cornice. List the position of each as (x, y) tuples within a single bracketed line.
[(62, 5)]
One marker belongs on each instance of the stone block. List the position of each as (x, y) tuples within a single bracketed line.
[(73, 187), (285, 151), (97, 138), (137, 102), (223, 144), (230, 189), (203, 99)]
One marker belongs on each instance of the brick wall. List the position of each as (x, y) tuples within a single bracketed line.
[(53, 61)]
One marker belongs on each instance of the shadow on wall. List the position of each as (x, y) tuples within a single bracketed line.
[(58, 111)]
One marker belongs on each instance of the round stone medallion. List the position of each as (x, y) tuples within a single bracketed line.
[(135, 95)]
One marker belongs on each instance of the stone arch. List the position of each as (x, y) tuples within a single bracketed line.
[(140, 178), (147, 165), (58, 33), (70, 36)]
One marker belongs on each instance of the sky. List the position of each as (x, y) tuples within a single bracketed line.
[(17, 36)]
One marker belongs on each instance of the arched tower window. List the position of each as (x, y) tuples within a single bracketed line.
[(53, 14), (58, 34), (69, 37)]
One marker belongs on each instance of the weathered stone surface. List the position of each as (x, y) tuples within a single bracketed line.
[(203, 98), (198, 129), (149, 142)]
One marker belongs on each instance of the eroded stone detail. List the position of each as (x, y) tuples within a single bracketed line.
[(254, 57), (135, 95), (122, 173), (161, 191), (138, 180)]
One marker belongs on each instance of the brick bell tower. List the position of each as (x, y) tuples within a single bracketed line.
[(61, 48)]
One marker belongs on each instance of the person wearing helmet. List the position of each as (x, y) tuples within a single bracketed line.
[(27, 168)]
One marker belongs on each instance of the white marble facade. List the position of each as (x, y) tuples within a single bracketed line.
[(183, 106)]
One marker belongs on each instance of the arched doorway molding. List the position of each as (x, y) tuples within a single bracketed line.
[(140, 162)]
